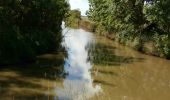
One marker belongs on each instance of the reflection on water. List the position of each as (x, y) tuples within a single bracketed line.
[(34, 81), (123, 74), (78, 84)]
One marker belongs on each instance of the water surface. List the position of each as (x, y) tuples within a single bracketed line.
[(125, 74), (115, 73), (78, 84)]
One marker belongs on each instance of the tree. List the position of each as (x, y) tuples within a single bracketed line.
[(29, 27), (133, 20), (159, 14), (73, 18)]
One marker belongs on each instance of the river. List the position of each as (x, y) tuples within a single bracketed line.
[(94, 68)]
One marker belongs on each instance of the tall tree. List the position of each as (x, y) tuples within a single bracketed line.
[(29, 27)]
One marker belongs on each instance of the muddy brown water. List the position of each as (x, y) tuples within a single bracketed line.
[(122, 74), (133, 75)]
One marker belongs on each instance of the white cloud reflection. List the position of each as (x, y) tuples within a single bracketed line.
[(78, 85)]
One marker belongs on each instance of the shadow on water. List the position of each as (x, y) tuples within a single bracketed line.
[(31, 81), (108, 72), (103, 82), (104, 54)]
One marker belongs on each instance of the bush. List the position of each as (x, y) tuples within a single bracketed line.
[(100, 30), (132, 21), (73, 19), (29, 28), (136, 44), (14, 48), (162, 45)]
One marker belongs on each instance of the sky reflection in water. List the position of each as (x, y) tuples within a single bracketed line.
[(78, 85)]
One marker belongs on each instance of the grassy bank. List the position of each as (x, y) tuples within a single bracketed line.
[(155, 44), (141, 24), (146, 38)]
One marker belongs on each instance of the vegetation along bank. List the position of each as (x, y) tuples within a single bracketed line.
[(141, 24), (29, 28)]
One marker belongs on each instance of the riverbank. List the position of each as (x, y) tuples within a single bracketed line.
[(121, 72), (126, 74), (144, 44)]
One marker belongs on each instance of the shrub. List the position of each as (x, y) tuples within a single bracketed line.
[(162, 44), (29, 27)]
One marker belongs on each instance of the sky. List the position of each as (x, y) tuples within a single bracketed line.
[(80, 4)]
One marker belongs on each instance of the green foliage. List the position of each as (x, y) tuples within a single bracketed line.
[(159, 14), (133, 20), (14, 48), (73, 19), (29, 27), (100, 29), (117, 16), (162, 44)]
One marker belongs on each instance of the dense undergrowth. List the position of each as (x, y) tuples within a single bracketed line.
[(141, 24), (73, 19), (29, 28)]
